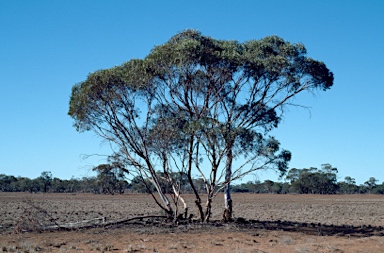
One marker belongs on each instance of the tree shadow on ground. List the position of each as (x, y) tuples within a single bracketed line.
[(312, 228), (253, 225)]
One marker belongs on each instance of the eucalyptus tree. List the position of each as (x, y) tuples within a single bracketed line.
[(196, 100), (45, 180), (313, 180), (370, 184), (111, 177)]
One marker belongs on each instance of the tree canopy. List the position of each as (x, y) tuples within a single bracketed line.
[(195, 101)]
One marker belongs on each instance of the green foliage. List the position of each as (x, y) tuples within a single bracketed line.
[(111, 178), (313, 180), (45, 180), (8, 183), (136, 185), (348, 186), (268, 186)]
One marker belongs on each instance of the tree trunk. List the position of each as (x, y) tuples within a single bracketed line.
[(227, 216), (208, 210), (190, 180), (163, 197), (155, 182), (179, 197)]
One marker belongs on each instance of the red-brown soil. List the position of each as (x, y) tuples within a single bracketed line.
[(274, 223)]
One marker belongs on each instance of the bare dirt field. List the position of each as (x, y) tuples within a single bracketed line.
[(271, 223)]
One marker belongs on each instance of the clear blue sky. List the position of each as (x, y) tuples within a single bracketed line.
[(48, 46)]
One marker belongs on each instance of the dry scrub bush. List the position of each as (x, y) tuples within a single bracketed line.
[(29, 220), (25, 247), (286, 240), (32, 219), (303, 249)]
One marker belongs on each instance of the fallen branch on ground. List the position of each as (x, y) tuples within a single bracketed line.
[(83, 224)]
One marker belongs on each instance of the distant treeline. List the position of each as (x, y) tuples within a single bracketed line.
[(110, 180)]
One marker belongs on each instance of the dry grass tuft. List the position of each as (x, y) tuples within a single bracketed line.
[(303, 249), (286, 240), (25, 246)]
